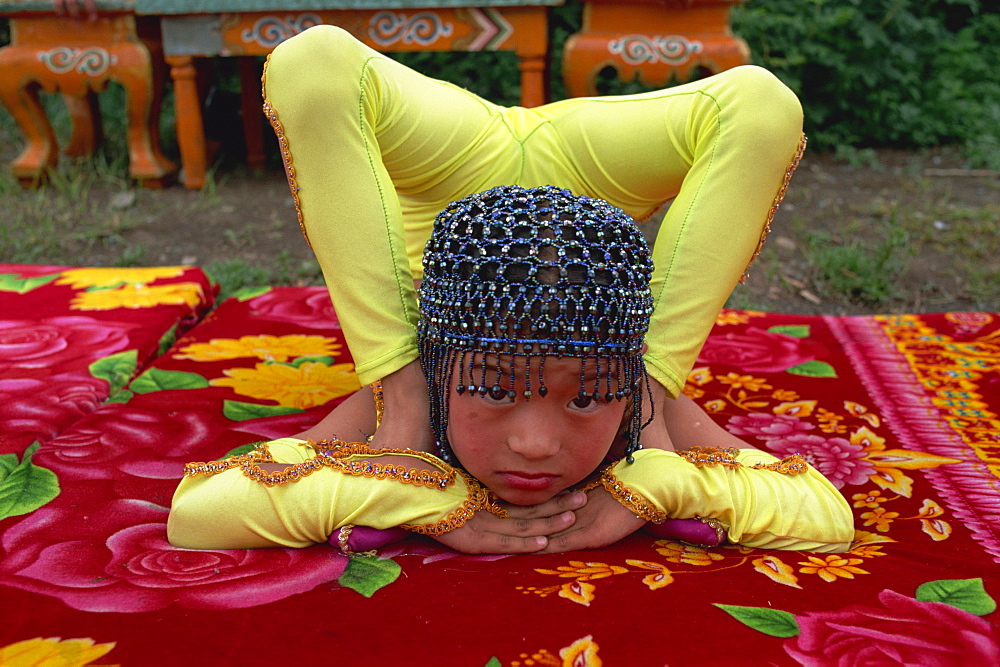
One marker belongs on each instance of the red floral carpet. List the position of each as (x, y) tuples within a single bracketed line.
[(112, 379)]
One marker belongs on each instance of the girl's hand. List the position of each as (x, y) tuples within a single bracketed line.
[(526, 530), (602, 521)]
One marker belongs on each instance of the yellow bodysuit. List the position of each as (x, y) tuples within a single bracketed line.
[(375, 150)]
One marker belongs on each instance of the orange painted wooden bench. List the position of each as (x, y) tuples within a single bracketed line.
[(79, 59)]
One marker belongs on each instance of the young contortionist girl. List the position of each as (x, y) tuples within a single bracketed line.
[(534, 307)]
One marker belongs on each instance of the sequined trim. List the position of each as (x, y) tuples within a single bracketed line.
[(379, 402), (721, 530), (286, 153), (343, 538), (330, 454), (717, 456), (631, 500), (792, 166), (479, 499)]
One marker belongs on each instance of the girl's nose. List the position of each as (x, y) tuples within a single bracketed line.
[(534, 439)]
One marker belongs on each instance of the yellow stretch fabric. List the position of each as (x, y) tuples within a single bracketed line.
[(760, 508), (376, 150), (229, 510)]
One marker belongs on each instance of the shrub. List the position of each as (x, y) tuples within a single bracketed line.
[(883, 73)]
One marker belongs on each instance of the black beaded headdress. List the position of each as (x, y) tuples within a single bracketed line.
[(532, 273)]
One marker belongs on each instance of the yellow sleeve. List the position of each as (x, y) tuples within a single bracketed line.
[(234, 504), (760, 501)]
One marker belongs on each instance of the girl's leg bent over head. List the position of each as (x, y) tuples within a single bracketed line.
[(721, 148)]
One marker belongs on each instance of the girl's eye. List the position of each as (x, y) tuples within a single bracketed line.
[(583, 402), (497, 393)]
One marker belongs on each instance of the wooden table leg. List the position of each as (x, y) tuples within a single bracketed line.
[(88, 131), (190, 125), (251, 107)]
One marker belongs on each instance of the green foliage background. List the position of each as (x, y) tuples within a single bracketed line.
[(870, 73)]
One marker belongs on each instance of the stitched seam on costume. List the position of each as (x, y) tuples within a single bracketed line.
[(381, 194), (285, 150)]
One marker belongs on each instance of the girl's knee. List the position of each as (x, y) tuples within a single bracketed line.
[(758, 103)]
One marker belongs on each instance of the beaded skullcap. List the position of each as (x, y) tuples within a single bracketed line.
[(532, 273)]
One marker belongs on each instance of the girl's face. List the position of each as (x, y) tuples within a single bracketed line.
[(528, 451)]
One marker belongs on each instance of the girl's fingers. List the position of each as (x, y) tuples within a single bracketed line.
[(561, 503)]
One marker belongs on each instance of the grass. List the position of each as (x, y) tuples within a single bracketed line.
[(915, 245)]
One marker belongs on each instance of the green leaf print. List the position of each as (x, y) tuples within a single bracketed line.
[(325, 360), (247, 293), (772, 622), (793, 330), (117, 369), (157, 379), (12, 282), (966, 594), (238, 412), (24, 487), (367, 574), (813, 369)]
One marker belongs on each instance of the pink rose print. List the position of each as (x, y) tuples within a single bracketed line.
[(57, 344), (114, 557), (39, 408), (839, 460), (758, 351), (142, 440), (903, 631), (314, 311), (767, 426)]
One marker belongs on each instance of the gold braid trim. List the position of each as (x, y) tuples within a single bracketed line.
[(717, 456), (330, 454), (379, 402), (789, 171), (478, 499), (286, 152), (634, 502)]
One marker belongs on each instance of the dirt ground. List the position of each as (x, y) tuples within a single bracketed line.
[(250, 216)]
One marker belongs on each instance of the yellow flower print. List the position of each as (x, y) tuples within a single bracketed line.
[(938, 529), (579, 592), (714, 406), (734, 317), (109, 277), (879, 518), (747, 382), (868, 551), (861, 412), (307, 386), (864, 537), (660, 577), (581, 653), (700, 376), (266, 348), (795, 408), (53, 651), (831, 567), (784, 395), (871, 499), (693, 392), (676, 552), (139, 296), (776, 569), (585, 571), (829, 422)]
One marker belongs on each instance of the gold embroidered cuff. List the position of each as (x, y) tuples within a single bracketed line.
[(630, 499)]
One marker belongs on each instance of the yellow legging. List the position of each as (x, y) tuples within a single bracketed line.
[(374, 150)]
